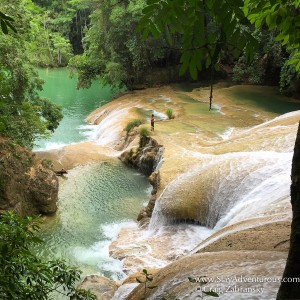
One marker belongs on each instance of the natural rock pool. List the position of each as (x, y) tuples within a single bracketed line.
[(95, 201)]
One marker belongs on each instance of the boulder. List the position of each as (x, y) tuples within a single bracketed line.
[(102, 287), (146, 157), (27, 186)]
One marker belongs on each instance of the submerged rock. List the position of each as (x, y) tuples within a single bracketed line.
[(27, 186)]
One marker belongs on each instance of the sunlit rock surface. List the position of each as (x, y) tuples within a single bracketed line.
[(102, 287), (78, 154), (231, 274), (27, 185)]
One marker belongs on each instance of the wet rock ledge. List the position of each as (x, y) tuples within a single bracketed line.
[(146, 158)]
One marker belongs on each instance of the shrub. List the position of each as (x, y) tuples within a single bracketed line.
[(146, 281), (133, 123), (170, 113), (47, 163), (144, 132)]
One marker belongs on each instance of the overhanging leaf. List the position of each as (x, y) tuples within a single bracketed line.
[(4, 27)]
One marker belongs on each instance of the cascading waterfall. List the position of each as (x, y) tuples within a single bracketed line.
[(241, 181), (234, 186), (244, 175), (109, 129), (159, 158), (239, 197)]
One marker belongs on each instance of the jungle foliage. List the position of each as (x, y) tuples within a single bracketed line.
[(115, 50), (211, 31), (24, 116), (259, 40), (25, 275), (99, 38)]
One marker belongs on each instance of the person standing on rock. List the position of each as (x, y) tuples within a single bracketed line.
[(152, 122)]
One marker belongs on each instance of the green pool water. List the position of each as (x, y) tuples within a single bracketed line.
[(95, 201), (76, 105), (262, 98)]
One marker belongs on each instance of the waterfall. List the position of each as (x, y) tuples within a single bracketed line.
[(243, 195), (242, 185), (159, 158), (224, 189), (109, 129)]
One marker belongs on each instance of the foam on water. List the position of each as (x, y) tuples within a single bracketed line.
[(98, 253), (51, 146), (111, 230), (87, 131), (227, 133), (109, 129), (146, 247)]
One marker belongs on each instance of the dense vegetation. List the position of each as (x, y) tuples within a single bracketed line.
[(24, 275), (262, 35), (24, 116), (98, 38), (115, 50)]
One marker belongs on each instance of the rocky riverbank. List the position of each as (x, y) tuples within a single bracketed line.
[(28, 185)]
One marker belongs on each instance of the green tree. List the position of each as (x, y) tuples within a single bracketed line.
[(268, 60), (282, 15), (285, 16), (6, 23), (208, 27), (25, 275), (48, 41), (114, 50), (24, 116)]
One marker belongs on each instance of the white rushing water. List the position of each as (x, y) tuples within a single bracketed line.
[(250, 185), (110, 128), (241, 195), (241, 185)]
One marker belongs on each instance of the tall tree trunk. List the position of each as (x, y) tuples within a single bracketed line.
[(291, 290), (47, 38), (59, 57)]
